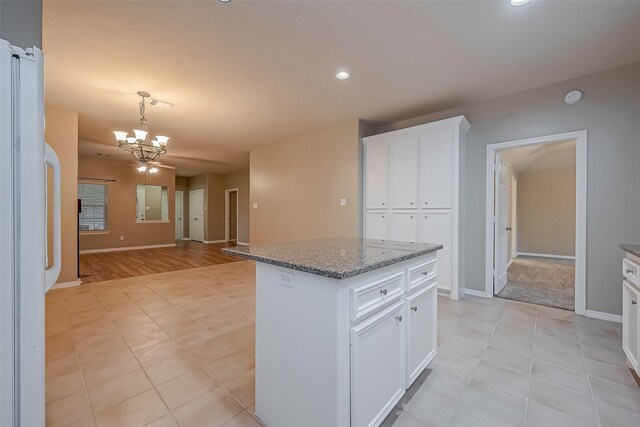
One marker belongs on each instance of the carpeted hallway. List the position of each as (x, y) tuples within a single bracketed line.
[(544, 281)]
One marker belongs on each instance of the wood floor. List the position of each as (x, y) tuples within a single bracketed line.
[(102, 266)]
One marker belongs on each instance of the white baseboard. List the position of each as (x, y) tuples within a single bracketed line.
[(476, 293), (186, 238), (604, 316), (63, 285), (214, 241), (128, 248), (545, 255), (242, 243)]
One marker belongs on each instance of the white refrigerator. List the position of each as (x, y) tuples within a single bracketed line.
[(24, 277)]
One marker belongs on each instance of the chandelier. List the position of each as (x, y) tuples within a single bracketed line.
[(143, 148)]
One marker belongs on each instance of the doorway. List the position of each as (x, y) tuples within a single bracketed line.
[(179, 213), (536, 220), (196, 215), (231, 215)]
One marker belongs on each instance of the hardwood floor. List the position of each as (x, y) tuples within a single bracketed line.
[(103, 266)]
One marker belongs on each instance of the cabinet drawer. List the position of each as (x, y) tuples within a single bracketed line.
[(631, 271), (421, 273), (371, 297)]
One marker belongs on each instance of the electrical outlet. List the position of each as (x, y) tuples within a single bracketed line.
[(255, 206), (121, 237), (286, 279), (343, 202)]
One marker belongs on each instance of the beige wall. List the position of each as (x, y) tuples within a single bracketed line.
[(61, 133), (241, 181), (214, 231), (298, 185), (182, 184), (546, 209), (121, 205)]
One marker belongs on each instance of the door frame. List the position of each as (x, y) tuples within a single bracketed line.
[(227, 193), (581, 209), (496, 236), (191, 193), (181, 194)]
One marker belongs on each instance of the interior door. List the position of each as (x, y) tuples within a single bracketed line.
[(179, 210), (140, 203), (501, 224), (196, 213), (233, 216), (164, 205)]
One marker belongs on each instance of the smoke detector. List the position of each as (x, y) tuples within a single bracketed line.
[(160, 104), (573, 97)]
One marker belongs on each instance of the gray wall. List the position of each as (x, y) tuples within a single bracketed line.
[(21, 22), (610, 112)]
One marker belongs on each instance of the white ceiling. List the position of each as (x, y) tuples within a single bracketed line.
[(557, 155), (249, 73)]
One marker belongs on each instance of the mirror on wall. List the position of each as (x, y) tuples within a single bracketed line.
[(152, 203)]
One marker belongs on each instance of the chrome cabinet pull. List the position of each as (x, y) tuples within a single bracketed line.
[(383, 291), (629, 271), (399, 318), (414, 308), (425, 273), (633, 302)]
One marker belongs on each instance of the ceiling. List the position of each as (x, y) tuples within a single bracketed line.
[(557, 155), (247, 73)]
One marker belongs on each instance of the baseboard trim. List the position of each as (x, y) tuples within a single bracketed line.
[(127, 248), (214, 241), (545, 255), (242, 243), (186, 238), (476, 293), (603, 316), (63, 285)]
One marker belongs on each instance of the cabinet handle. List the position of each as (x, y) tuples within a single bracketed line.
[(399, 318), (382, 216), (414, 308), (383, 291), (425, 273), (426, 203), (633, 302), (382, 204), (629, 271), (411, 217), (411, 203)]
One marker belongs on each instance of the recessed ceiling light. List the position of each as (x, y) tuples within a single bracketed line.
[(519, 2), (224, 1), (342, 75)]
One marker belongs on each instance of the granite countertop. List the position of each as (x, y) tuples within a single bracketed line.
[(336, 258), (632, 249)]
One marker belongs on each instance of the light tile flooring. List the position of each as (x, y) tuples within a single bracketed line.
[(505, 363), (177, 348)]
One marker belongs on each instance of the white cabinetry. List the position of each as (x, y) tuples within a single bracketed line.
[(415, 172), (377, 365), (630, 312), (422, 332)]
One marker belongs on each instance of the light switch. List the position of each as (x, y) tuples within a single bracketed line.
[(255, 206), (343, 202), (287, 279)]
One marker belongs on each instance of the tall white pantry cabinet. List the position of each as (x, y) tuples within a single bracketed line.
[(412, 191)]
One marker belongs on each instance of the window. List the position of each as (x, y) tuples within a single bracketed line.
[(94, 207)]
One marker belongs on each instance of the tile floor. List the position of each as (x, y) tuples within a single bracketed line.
[(177, 348), (505, 363)]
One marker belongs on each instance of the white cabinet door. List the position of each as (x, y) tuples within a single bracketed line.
[(377, 366), (631, 324), (422, 330), (376, 225), (435, 227), (403, 226), (403, 172), (436, 169), (377, 175)]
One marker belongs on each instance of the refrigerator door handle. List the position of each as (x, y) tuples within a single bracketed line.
[(51, 274)]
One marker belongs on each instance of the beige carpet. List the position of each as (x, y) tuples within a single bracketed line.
[(544, 281)]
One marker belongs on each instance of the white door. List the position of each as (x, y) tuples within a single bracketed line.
[(141, 203), (514, 218), (404, 226), (164, 205), (179, 209), (377, 366), (376, 225), (436, 169), (631, 324), (435, 227), (377, 175), (422, 330), (196, 214), (403, 173), (501, 235)]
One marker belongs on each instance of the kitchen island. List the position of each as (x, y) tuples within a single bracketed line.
[(343, 327)]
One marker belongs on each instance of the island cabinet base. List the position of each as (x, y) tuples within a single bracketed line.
[(341, 352)]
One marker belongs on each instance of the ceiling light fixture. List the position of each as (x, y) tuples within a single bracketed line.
[(519, 2), (144, 149), (342, 75), (224, 1)]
